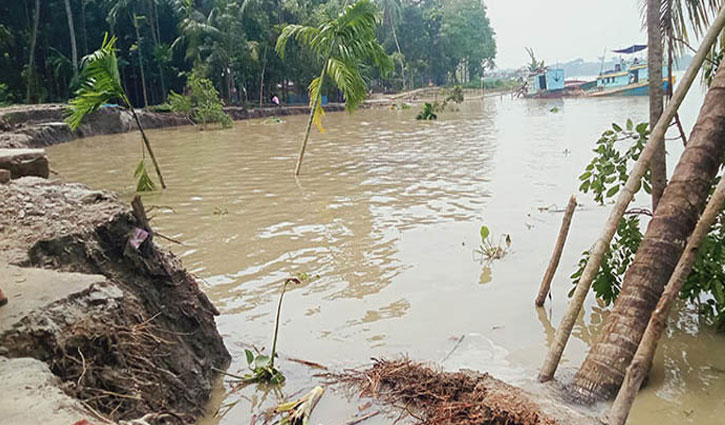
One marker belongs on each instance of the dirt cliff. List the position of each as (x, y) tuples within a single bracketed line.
[(118, 319)]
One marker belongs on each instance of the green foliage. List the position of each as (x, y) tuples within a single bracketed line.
[(6, 98), (180, 104), (608, 281), (144, 182), (100, 83), (705, 285), (607, 172), (489, 250), (455, 94), (346, 43), (262, 369), (202, 104), (427, 113), (260, 365)]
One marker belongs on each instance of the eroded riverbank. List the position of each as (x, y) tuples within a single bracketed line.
[(123, 327), (387, 211)]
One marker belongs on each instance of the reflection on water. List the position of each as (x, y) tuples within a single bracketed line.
[(387, 212)]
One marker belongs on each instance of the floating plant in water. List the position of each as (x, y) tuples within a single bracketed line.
[(261, 366), (489, 250)]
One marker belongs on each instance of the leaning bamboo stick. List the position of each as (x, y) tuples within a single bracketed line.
[(625, 197), (642, 360), (556, 255)]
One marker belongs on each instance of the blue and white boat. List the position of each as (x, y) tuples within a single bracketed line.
[(628, 78)]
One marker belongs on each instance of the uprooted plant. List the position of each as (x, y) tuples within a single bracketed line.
[(428, 113), (261, 366), (489, 249)]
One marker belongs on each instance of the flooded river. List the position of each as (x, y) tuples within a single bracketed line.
[(387, 212)]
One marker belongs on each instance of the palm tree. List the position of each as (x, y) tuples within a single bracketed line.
[(72, 31), (194, 27), (655, 61), (603, 370), (344, 43), (101, 83), (391, 14), (33, 41), (130, 7)]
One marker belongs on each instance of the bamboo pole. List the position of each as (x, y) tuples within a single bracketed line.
[(625, 197), (642, 360), (556, 255)]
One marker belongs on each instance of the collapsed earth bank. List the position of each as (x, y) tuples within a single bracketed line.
[(116, 319)]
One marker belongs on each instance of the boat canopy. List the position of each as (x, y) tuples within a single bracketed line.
[(632, 49)]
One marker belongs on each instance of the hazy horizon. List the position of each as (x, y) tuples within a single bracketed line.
[(563, 30)]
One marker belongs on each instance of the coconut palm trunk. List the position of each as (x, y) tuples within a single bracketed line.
[(33, 42), (72, 31), (604, 368), (400, 56), (134, 19), (314, 103), (658, 165)]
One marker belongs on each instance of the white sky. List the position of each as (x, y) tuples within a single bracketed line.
[(561, 30)]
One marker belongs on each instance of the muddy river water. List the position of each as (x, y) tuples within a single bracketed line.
[(387, 212)]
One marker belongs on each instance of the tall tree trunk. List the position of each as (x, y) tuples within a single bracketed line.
[(261, 77), (604, 368), (140, 61), (658, 166), (313, 106), (84, 27), (402, 62), (33, 41), (72, 31)]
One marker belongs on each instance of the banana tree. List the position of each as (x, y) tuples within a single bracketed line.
[(101, 83), (345, 44)]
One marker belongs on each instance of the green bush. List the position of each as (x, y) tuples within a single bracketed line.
[(202, 104)]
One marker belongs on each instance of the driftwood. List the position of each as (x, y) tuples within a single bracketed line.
[(645, 352), (556, 255), (625, 197)]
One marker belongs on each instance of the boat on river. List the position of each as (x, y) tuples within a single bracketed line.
[(628, 78)]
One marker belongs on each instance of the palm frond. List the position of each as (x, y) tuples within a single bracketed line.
[(348, 78), (144, 182), (315, 93), (101, 83), (303, 34)]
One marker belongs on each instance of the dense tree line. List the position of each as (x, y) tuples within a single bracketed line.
[(42, 43)]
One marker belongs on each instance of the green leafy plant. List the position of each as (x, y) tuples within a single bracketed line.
[(100, 84), (605, 174), (608, 281), (144, 182), (455, 94), (202, 104), (261, 366), (427, 113), (489, 249)]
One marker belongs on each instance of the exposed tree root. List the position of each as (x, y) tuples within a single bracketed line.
[(434, 397)]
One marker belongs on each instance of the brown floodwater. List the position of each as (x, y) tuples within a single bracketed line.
[(387, 212)]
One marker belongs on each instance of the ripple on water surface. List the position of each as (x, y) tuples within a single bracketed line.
[(387, 212)]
